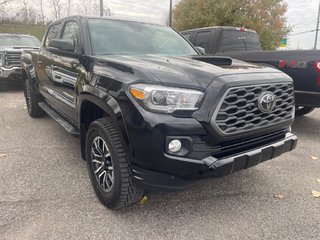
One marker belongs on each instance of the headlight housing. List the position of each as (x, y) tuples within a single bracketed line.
[(163, 99)]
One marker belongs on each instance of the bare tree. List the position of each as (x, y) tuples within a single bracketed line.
[(89, 7), (57, 8), (3, 2), (69, 2), (41, 11), (25, 11)]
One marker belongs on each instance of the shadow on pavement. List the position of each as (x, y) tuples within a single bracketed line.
[(5, 87), (307, 126)]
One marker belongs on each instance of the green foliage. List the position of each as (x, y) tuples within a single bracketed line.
[(34, 30), (267, 17)]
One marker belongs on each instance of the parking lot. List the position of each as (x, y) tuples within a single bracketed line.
[(45, 192)]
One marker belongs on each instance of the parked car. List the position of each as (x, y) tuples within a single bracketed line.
[(11, 47), (303, 66), (150, 112)]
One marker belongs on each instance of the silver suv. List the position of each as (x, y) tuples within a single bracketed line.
[(11, 47)]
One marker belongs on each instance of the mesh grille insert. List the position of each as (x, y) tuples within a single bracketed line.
[(239, 111)]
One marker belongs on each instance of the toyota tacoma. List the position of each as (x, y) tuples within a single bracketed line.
[(150, 112)]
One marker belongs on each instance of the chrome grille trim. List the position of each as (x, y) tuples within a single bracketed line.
[(238, 110), (12, 59)]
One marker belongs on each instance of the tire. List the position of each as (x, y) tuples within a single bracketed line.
[(300, 111), (32, 101), (115, 163)]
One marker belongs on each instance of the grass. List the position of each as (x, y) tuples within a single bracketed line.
[(34, 30)]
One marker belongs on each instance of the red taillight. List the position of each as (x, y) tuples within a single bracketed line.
[(242, 29), (317, 66)]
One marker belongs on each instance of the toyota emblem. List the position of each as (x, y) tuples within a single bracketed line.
[(267, 102)]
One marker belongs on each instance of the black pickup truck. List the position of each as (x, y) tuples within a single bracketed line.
[(303, 66), (151, 113)]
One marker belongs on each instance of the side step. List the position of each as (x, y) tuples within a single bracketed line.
[(67, 126)]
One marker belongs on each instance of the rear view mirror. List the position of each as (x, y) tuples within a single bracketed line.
[(65, 45), (201, 50)]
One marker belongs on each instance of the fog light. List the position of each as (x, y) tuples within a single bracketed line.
[(174, 146)]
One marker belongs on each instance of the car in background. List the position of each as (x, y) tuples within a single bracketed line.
[(11, 47), (303, 66)]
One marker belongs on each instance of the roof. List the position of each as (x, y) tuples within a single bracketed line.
[(217, 27), (116, 18)]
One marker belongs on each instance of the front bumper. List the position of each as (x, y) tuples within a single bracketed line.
[(307, 99), (10, 74), (214, 167)]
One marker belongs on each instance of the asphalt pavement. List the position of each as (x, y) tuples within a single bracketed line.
[(45, 191)]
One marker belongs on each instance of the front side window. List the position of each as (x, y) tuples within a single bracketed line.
[(203, 40), (53, 33), (72, 32), (187, 35), (115, 37)]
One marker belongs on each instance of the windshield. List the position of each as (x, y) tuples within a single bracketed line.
[(22, 41), (236, 40), (114, 37)]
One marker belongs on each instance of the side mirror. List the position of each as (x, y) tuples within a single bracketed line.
[(65, 45), (201, 50)]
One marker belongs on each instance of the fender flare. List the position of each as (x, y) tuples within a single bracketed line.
[(110, 106)]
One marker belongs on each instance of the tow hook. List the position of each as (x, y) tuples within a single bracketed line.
[(210, 162)]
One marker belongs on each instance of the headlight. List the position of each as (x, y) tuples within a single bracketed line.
[(166, 99)]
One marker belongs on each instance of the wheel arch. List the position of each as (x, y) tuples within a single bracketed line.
[(94, 104)]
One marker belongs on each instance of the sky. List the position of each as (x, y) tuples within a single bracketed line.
[(301, 15)]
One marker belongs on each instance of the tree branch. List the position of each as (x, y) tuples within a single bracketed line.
[(3, 2)]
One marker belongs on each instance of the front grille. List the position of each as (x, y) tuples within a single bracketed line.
[(12, 59), (239, 111)]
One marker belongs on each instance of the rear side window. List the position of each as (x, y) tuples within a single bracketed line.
[(203, 40), (72, 32), (53, 33)]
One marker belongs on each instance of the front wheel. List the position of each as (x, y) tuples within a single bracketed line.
[(109, 167), (32, 101), (300, 111)]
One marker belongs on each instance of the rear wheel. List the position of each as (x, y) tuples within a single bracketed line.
[(300, 111), (32, 101), (109, 167)]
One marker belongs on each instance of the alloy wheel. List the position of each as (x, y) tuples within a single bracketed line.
[(102, 164)]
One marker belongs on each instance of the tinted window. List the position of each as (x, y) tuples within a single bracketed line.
[(187, 35), (133, 38), (72, 32), (53, 33), (236, 40), (16, 40), (203, 40)]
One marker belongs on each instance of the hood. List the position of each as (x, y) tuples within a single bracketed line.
[(193, 72), (17, 49)]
